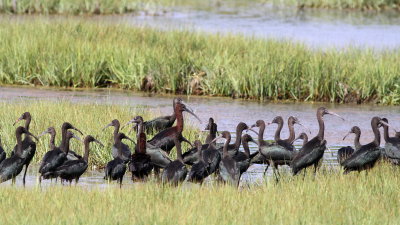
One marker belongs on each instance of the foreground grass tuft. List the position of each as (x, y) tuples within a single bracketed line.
[(85, 54), (330, 198)]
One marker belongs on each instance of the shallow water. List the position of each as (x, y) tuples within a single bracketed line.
[(227, 113), (316, 28)]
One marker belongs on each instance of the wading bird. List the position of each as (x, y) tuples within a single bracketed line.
[(392, 145), (366, 157), (199, 170), (313, 151), (125, 150), (12, 166), (140, 164), (345, 152)]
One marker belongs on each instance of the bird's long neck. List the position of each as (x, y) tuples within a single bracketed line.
[(179, 121), (357, 144), (52, 140), (27, 123), (116, 130), (142, 143), (178, 151), (291, 133), (64, 140), (172, 118), (377, 134), (386, 133), (278, 131), (225, 150), (86, 156), (66, 145), (118, 145), (246, 148), (19, 143), (238, 140), (321, 127), (261, 133)]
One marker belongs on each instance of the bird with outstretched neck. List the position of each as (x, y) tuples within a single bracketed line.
[(366, 157), (12, 166), (392, 144), (199, 170), (167, 138), (57, 155), (175, 172), (73, 169), (345, 152), (190, 157), (116, 168), (140, 165), (126, 151), (233, 149), (28, 145), (229, 171), (313, 151), (159, 158)]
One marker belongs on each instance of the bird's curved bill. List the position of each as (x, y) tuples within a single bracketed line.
[(30, 134), (43, 133), (77, 130), (308, 129), (335, 114), (217, 138), (130, 140), (129, 122), (384, 123), (251, 129), (132, 128), (99, 142), (189, 110), (17, 120), (347, 135), (76, 137)]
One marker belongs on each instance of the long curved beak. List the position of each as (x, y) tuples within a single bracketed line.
[(77, 130), (108, 125), (43, 133), (247, 130), (308, 129), (30, 134), (217, 138), (335, 114), (189, 110), (76, 137), (129, 122), (384, 123), (17, 120), (99, 142), (132, 128), (130, 140), (347, 135)]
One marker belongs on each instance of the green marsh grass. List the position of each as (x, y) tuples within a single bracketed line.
[(89, 118), (75, 53), (330, 198)]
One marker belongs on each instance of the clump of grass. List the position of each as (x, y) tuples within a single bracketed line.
[(89, 118), (330, 198), (85, 54)]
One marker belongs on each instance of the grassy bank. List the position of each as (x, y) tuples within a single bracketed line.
[(329, 199), (86, 54), (89, 118), (134, 6)]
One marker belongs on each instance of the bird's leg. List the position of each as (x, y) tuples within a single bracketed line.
[(23, 179), (265, 171), (277, 170), (76, 180), (120, 182), (274, 170), (13, 180), (157, 172)]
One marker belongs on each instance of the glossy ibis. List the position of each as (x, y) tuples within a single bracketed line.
[(166, 139), (115, 169), (313, 151), (199, 170), (229, 171), (190, 157), (213, 128), (345, 152), (176, 171), (28, 145), (126, 151), (140, 164), (366, 157), (303, 136), (12, 166), (392, 144), (233, 149), (56, 156), (159, 157), (52, 132), (73, 169)]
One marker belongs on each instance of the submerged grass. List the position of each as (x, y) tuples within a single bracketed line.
[(330, 198), (85, 54), (89, 118), (134, 6)]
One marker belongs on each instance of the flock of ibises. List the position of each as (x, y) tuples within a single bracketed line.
[(227, 162)]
